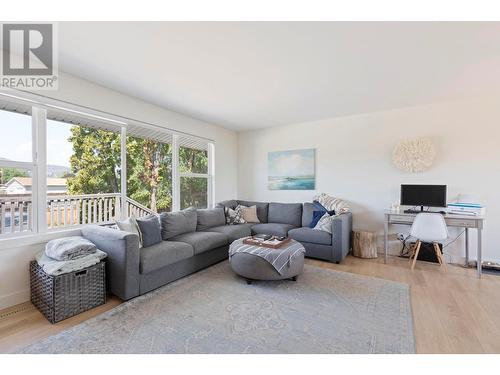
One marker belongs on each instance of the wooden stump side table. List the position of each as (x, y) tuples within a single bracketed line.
[(364, 244)]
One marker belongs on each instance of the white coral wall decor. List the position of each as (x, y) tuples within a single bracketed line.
[(414, 155)]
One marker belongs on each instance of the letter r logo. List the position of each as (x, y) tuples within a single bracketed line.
[(28, 49)]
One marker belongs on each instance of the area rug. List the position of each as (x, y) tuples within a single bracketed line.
[(215, 311)]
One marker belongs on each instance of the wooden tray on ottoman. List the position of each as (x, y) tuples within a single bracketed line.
[(271, 243)]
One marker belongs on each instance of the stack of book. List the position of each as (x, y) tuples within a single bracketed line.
[(472, 209)]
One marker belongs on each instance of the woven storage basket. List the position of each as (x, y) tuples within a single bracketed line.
[(63, 296)]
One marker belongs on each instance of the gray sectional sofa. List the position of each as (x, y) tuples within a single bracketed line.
[(292, 220), (189, 246)]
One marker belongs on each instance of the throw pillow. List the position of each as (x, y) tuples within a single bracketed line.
[(130, 225), (322, 208), (151, 230), (316, 216), (332, 203), (325, 223), (250, 214), (180, 222), (233, 216)]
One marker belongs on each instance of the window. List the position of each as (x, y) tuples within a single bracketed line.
[(62, 167), (149, 173), (16, 173), (83, 173), (194, 192), (194, 173)]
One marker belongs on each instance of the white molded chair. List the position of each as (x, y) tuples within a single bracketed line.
[(429, 227)]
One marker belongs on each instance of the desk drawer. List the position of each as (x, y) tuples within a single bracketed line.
[(464, 223), (401, 219)]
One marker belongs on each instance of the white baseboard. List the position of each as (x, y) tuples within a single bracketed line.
[(16, 298)]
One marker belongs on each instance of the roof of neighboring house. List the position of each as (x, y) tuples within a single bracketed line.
[(28, 181)]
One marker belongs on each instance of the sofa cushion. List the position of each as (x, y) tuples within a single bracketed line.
[(175, 223), (274, 229), (262, 209), (150, 230), (310, 235), (210, 217), (231, 203), (203, 241), (234, 232), (163, 254), (285, 213), (307, 213)]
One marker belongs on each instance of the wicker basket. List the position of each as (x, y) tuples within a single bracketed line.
[(63, 296)]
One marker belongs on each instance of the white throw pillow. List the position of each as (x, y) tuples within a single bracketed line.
[(325, 223), (130, 225), (331, 203)]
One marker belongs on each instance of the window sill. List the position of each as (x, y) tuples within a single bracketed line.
[(37, 238)]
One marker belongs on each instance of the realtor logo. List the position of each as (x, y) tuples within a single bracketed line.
[(28, 56)]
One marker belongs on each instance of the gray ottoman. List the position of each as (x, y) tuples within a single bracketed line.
[(260, 263)]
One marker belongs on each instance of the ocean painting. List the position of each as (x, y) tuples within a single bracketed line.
[(291, 170)]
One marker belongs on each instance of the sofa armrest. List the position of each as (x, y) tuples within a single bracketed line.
[(341, 236), (122, 261)]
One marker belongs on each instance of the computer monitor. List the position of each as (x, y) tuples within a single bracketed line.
[(423, 195)]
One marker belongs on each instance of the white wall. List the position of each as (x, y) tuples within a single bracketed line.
[(15, 255), (353, 161)]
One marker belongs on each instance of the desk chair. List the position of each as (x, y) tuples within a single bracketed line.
[(429, 227)]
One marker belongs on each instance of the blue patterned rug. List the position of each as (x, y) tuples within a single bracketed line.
[(215, 311)]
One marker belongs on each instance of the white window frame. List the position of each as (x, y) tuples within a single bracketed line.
[(38, 164), (30, 166)]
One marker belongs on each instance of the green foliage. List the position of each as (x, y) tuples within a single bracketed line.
[(95, 161), (6, 174), (193, 189), (192, 160), (95, 167), (149, 173)]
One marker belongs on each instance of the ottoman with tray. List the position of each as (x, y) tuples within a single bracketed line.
[(259, 262)]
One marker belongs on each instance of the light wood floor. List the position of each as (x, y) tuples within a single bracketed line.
[(453, 312)]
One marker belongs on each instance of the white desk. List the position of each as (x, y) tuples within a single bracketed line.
[(461, 221)]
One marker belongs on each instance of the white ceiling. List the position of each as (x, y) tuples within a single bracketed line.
[(254, 75)]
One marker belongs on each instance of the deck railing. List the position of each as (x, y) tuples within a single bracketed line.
[(16, 211)]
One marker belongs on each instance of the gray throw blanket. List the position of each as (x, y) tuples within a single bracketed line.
[(58, 267), (68, 248), (278, 258)]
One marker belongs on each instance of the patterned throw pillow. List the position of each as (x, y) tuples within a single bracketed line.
[(234, 216), (332, 203), (325, 223)]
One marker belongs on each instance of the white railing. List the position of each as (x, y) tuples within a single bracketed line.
[(68, 210), (136, 209), (16, 212)]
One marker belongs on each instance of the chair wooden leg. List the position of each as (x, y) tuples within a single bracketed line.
[(441, 260), (416, 255), (412, 251)]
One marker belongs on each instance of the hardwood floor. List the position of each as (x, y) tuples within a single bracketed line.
[(453, 312)]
